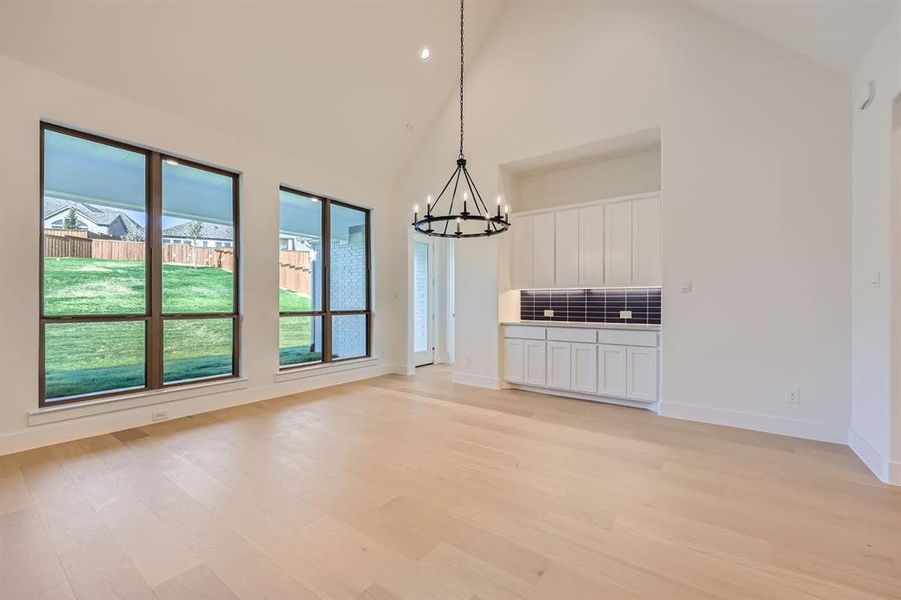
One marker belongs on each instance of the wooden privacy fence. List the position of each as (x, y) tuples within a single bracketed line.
[(295, 268), (222, 258), (67, 245), (295, 271), (67, 233), (56, 245)]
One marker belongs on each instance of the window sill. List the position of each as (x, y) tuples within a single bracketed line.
[(325, 369), (75, 410)]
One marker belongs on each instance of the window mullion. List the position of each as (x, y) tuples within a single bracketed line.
[(154, 239), (326, 281)]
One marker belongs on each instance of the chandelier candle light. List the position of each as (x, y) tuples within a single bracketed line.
[(468, 224)]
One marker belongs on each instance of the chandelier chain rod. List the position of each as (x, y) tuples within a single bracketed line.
[(477, 197), (461, 78), (450, 210), (444, 189)]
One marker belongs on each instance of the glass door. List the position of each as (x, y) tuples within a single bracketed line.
[(423, 303)]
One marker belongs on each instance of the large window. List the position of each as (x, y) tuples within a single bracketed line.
[(324, 299), (139, 269)]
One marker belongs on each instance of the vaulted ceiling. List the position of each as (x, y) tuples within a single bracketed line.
[(337, 82), (835, 33)]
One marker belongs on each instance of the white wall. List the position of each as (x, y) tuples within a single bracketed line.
[(876, 427), (587, 181), (756, 195), (27, 95)]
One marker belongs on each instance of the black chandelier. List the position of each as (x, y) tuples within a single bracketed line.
[(467, 224)]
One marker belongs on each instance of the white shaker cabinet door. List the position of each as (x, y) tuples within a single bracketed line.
[(543, 250), (566, 244), (559, 373), (534, 363), (641, 379), (514, 360), (584, 365), (612, 370), (591, 246), (618, 243)]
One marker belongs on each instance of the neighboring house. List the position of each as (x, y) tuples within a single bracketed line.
[(93, 219), (212, 235), (288, 242)]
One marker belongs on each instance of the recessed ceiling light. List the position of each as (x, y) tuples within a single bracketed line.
[(425, 54)]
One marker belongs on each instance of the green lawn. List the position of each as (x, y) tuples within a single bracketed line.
[(84, 358)]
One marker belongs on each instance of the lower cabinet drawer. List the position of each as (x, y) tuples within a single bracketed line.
[(524, 332), (625, 337)]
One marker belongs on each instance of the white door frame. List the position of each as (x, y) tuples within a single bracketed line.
[(427, 356)]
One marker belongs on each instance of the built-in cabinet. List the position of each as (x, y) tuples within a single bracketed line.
[(615, 363), (616, 243)]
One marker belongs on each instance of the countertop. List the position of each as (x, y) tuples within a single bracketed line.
[(636, 326)]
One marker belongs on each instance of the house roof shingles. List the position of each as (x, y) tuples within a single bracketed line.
[(100, 216), (208, 231)]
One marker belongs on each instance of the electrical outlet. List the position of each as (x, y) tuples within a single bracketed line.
[(793, 396), (548, 313), (467, 360), (159, 415)]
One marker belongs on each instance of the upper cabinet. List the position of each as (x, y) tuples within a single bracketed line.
[(606, 244), (591, 246), (543, 250), (618, 243), (566, 244)]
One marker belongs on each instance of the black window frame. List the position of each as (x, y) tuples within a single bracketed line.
[(326, 313), (153, 317)]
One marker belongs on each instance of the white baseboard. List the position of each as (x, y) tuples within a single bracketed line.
[(88, 425), (894, 472), (823, 432), (871, 457), (482, 381)]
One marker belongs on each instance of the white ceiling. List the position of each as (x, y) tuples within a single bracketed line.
[(835, 33), (333, 81)]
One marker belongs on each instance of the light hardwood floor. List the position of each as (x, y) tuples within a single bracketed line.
[(414, 488)]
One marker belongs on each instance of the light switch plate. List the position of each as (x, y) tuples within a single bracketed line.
[(686, 287), (625, 314), (875, 281), (548, 313)]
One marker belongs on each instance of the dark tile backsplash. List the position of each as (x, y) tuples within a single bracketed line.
[(594, 305)]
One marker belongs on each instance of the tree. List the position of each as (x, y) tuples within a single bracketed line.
[(70, 223), (195, 231)]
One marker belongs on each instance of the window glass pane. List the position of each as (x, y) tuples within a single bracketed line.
[(299, 256), (299, 340), (348, 336), (94, 214), (195, 348), (87, 358), (198, 211), (420, 297), (347, 259)]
